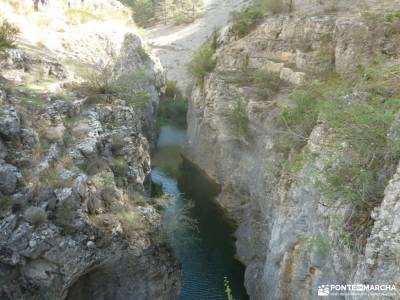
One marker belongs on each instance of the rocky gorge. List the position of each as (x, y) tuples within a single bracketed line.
[(77, 125), (294, 115), (293, 175)]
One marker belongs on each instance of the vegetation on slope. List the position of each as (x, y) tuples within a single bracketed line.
[(204, 60), (8, 34), (249, 17), (360, 116), (150, 12)]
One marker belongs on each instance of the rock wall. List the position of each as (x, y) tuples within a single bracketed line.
[(284, 229), (75, 222)]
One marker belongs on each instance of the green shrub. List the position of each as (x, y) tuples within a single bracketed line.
[(173, 112), (118, 144), (156, 190), (131, 223), (169, 160), (171, 88), (138, 99), (392, 17), (33, 101), (296, 161), (94, 166), (149, 12), (102, 82), (264, 83), (247, 19), (239, 120), (301, 117), (51, 178), (8, 35), (35, 215), (181, 17), (178, 226), (100, 79), (5, 204), (78, 16), (119, 166), (320, 244), (203, 61), (143, 11), (65, 215)]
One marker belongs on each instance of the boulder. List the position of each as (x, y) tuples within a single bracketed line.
[(9, 123), (35, 215), (29, 137), (10, 176), (3, 149)]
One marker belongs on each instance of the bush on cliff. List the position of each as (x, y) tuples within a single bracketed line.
[(238, 119), (172, 111), (248, 18), (203, 61)]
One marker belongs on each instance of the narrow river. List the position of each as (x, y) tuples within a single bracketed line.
[(206, 253)]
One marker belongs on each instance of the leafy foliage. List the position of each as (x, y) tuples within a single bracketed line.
[(8, 35), (238, 119), (150, 12), (227, 289), (179, 225), (173, 112), (203, 61), (102, 81), (247, 19), (119, 166)]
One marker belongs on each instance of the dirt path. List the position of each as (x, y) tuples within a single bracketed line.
[(175, 45)]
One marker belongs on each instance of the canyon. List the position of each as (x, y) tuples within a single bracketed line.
[(294, 132)]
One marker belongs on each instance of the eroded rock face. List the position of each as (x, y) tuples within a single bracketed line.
[(74, 219), (10, 123), (142, 270), (383, 244), (283, 225)]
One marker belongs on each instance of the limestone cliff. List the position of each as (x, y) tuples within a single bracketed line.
[(289, 237), (77, 120)]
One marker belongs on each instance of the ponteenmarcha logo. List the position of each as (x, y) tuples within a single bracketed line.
[(323, 290), (356, 289)]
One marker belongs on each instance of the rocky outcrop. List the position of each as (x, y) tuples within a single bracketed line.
[(287, 237), (75, 222), (381, 252)]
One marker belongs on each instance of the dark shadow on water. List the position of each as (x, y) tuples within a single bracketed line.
[(206, 255)]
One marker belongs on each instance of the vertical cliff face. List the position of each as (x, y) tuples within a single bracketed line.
[(77, 123), (293, 235)]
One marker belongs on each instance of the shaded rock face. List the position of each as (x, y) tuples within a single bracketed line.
[(74, 217), (282, 224), (132, 273)]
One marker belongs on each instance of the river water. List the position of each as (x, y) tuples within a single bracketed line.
[(206, 251)]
